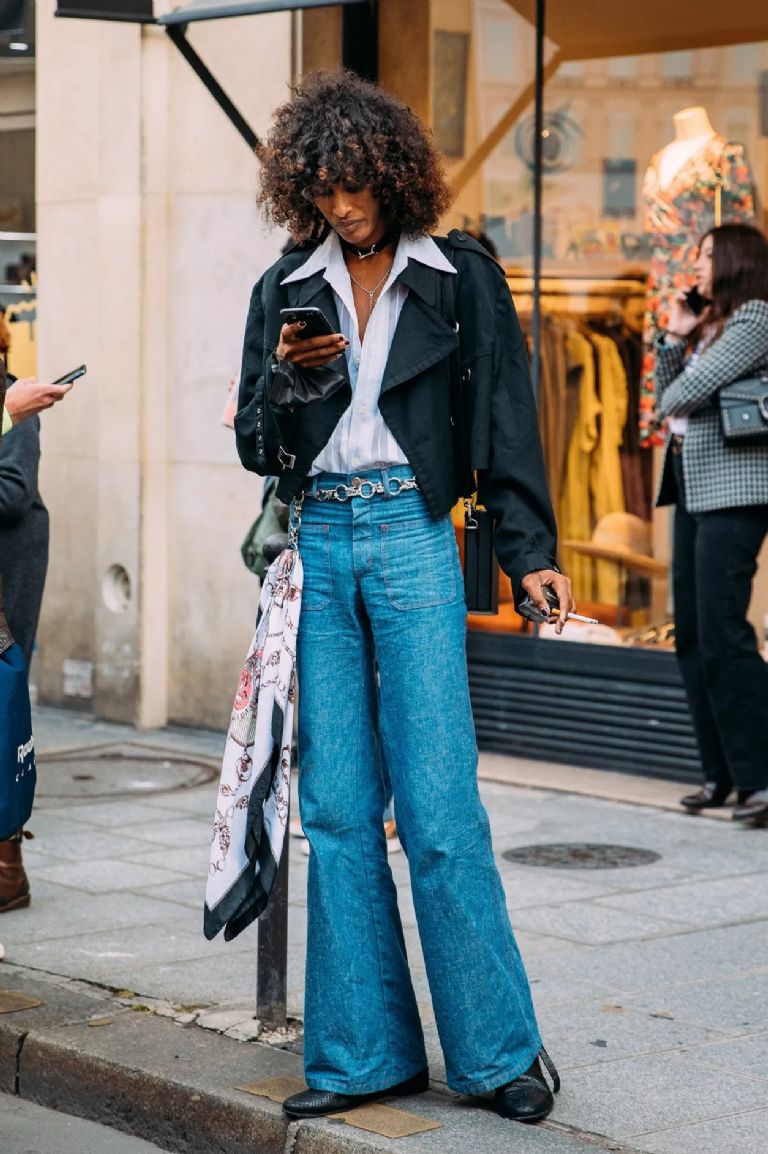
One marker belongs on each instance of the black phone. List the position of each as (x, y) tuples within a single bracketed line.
[(69, 377), (528, 607), (695, 301), (316, 323)]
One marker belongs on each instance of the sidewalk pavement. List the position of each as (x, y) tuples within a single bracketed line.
[(650, 982)]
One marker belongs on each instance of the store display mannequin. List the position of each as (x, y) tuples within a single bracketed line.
[(693, 131), (698, 180)]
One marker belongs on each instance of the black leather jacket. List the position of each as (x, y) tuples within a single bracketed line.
[(488, 421)]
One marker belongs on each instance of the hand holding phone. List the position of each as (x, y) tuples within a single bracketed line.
[(528, 608), (695, 301), (307, 338), (682, 319), (312, 321)]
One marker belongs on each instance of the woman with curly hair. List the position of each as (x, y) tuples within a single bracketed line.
[(375, 429)]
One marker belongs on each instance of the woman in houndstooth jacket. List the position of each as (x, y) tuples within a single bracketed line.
[(721, 520)]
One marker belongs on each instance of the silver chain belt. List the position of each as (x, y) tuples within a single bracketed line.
[(363, 487)]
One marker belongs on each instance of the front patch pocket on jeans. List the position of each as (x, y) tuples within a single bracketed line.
[(419, 563), (315, 551)]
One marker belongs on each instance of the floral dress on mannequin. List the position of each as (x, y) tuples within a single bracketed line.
[(676, 217)]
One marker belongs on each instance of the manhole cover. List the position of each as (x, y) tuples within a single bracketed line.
[(581, 856), (81, 775)]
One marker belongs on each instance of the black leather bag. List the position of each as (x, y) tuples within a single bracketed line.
[(481, 569), (744, 411)]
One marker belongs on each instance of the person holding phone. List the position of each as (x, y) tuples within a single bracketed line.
[(720, 493), (375, 429), (29, 397), (23, 555)]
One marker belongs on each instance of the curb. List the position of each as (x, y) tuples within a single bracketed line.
[(84, 1052)]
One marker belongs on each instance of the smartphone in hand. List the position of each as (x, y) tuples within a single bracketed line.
[(695, 301), (316, 323), (528, 608), (68, 378)]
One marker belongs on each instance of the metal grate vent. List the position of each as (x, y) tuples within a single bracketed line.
[(88, 773)]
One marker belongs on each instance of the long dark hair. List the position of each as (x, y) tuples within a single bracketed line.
[(739, 267)]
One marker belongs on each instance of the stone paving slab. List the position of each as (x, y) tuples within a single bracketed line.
[(741, 1133), (593, 924), (634, 1096), (747, 1056), (107, 875), (57, 911), (95, 957), (599, 1031), (625, 968), (736, 1005), (716, 901)]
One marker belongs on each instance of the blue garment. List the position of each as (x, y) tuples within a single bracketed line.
[(382, 584)]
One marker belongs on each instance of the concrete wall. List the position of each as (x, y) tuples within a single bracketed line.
[(149, 243)]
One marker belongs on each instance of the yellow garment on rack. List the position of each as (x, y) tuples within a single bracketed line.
[(606, 482), (575, 519), (22, 354)]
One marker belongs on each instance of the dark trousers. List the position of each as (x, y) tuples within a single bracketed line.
[(726, 679)]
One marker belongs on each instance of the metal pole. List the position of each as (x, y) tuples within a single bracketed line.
[(272, 950), (538, 182), (177, 33)]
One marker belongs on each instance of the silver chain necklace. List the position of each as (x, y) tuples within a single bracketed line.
[(370, 293)]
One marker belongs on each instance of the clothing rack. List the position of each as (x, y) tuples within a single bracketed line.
[(575, 294)]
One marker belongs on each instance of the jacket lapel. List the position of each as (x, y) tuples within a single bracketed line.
[(314, 290), (423, 336)]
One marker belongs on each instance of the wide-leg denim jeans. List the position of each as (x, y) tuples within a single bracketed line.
[(383, 585)]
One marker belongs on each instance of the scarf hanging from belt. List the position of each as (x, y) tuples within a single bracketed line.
[(254, 790)]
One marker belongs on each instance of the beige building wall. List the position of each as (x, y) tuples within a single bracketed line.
[(149, 244)]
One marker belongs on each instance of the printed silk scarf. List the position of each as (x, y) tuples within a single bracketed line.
[(254, 790)]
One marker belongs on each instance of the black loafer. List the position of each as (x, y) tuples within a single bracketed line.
[(710, 796), (753, 809), (318, 1103), (528, 1098)]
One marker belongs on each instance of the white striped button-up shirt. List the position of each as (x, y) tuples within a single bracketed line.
[(362, 440)]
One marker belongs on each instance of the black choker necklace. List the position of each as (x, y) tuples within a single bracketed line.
[(389, 237)]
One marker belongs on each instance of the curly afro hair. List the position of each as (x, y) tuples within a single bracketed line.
[(340, 129)]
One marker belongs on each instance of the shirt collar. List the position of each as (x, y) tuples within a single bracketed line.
[(328, 257)]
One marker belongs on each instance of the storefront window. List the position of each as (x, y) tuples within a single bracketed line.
[(634, 146), (18, 279)]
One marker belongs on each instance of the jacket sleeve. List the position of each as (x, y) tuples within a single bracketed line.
[(256, 433), (514, 487), (742, 348), (19, 459)]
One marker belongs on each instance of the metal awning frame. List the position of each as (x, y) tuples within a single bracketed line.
[(189, 14)]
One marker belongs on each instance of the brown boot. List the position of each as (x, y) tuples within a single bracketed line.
[(14, 884)]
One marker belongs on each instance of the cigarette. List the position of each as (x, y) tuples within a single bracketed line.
[(577, 617)]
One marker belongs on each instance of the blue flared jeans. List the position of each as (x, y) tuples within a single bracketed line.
[(383, 588)]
